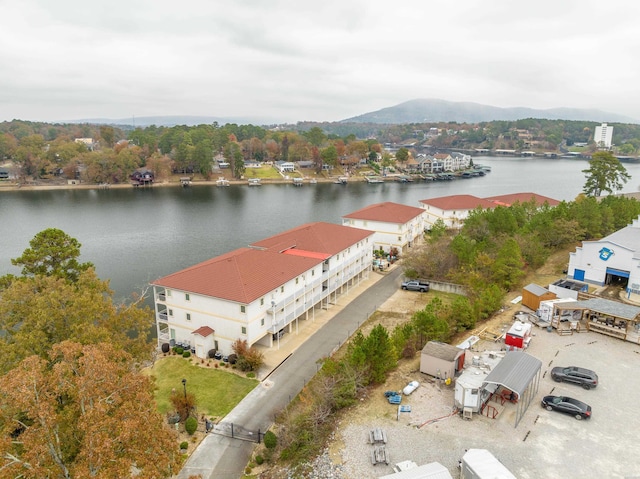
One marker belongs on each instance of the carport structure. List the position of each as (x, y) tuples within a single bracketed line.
[(605, 316), (518, 372)]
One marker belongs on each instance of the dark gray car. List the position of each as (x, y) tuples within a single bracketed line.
[(573, 374), (567, 405)]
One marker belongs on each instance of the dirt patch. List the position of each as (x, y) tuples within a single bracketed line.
[(398, 310)]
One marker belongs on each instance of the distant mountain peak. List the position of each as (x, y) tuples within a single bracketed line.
[(434, 110)]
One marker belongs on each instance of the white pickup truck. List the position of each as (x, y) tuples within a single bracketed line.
[(416, 286)]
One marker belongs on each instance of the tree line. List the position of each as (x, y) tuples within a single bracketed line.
[(45, 151)]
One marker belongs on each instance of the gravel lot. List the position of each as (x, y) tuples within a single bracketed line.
[(544, 445)]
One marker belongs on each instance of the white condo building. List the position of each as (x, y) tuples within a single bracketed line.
[(394, 225), (261, 291)]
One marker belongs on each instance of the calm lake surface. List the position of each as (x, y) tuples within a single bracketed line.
[(134, 236)]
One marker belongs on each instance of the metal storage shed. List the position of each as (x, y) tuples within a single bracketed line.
[(518, 372), (441, 360)]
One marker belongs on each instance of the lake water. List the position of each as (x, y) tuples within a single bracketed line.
[(134, 236)]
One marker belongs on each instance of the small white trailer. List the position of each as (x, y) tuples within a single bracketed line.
[(481, 464)]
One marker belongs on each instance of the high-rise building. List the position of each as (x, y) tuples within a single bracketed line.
[(603, 136)]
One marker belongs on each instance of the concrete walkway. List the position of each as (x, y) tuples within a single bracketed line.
[(287, 369)]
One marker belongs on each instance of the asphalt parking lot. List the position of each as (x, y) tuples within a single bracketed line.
[(546, 444)]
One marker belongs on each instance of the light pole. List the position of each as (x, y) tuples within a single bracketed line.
[(184, 385)]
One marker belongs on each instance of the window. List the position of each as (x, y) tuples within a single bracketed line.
[(313, 272), (262, 322), (171, 312), (244, 330), (261, 301), (399, 238), (282, 289), (168, 292), (187, 297), (188, 316), (243, 308)]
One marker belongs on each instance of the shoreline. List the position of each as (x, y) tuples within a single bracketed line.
[(165, 184)]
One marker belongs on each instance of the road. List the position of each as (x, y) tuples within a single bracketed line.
[(221, 457)]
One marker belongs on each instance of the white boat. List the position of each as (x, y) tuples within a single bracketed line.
[(313, 181), (297, 182), (222, 182), (254, 182), (342, 180)]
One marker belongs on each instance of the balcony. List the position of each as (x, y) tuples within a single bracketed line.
[(161, 297)]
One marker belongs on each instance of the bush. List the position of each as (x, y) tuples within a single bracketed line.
[(165, 347), (178, 350), (247, 470), (251, 375), (184, 445), (190, 425), (259, 459), (186, 354), (211, 353), (270, 440), (233, 358)]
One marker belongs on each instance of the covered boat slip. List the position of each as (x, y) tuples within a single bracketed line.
[(518, 372), (604, 316)]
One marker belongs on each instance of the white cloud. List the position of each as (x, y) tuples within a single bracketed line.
[(295, 61)]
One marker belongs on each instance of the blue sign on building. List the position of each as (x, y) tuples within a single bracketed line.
[(605, 254)]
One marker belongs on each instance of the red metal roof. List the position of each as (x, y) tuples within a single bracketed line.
[(318, 237), (243, 275), (203, 331), (246, 274), (387, 212), (508, 200), (459, 202)]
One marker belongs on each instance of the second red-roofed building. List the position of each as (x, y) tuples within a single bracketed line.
[(395, 225), (454, 209)]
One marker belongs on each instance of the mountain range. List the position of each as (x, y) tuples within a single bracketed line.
[(434, 111), (413, 111)]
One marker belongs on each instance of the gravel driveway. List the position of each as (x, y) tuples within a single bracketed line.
[(545, 444)]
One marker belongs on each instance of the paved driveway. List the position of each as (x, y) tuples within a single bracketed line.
[(219, 457)]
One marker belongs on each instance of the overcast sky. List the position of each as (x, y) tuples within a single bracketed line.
[(325, 60)]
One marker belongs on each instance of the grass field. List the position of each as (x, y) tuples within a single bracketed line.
[(217, 391)]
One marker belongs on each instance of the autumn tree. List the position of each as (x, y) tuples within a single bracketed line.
[(402, 155), (82, 412), (329, 155), (605, 173), (249, 358), (37, 312), (315, 136), (59, 298), (233, 155), (107, 133), (52, 253)]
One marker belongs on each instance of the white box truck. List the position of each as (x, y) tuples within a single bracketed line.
[(481, 464)]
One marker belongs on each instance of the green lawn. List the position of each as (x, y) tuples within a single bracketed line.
[(216, 391), (265, 172)]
